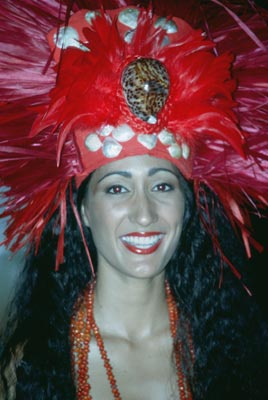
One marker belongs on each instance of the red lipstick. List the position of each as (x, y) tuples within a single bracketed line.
[(142, 234), (140, 242)]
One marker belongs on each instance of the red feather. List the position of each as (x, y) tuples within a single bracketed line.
[(221, 111)]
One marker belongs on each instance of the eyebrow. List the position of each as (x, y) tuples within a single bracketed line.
[(127, 174), (154, 171)]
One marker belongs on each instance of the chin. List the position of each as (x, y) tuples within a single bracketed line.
[(145, 271)]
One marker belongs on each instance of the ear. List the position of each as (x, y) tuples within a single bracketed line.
[(84, 215)]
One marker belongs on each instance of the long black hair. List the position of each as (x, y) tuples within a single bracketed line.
[(226, 327)]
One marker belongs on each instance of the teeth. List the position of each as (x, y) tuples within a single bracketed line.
[(142, 242)]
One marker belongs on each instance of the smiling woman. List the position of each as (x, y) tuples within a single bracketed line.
[(135, 208), (134, 195)]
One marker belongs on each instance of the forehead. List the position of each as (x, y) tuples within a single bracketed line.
[(135, 165)]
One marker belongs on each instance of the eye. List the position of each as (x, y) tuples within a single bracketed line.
[(163, 187), (116, 189)]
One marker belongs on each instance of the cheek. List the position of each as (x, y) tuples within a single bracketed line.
[(104, 220), (96, 213), (176, 224), (175, 212), (176, 217), (101, 235), (108, 211)]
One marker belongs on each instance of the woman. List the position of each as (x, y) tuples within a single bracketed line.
[(145, 173), (136, 214)]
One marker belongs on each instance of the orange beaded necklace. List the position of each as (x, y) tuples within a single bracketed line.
[(83, 325)]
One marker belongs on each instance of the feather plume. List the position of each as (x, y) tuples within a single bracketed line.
[(221, 111)]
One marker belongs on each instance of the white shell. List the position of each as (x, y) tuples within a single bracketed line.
[(129, 36), (185, 151), (111, 148), (82, 47), (106, 130), (165, 41), (166, 137), (123, 133), (169, 26), (175, 151), (93, 142), (147, 140), (129, 17), (90, 15), (152, 120), (66, 37)]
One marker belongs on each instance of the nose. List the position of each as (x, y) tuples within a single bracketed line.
[(143, 210)]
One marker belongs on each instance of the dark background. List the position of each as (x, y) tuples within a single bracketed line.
[(258, 265), (263, 3)]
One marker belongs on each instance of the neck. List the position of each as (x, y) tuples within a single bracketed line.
[(84, 326), (128, 307)]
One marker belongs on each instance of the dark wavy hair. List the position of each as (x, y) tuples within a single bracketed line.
[(227, 329)]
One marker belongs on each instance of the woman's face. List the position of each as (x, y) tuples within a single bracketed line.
[(134, 208)]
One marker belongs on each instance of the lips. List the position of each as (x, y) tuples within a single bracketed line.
[(142, 242)]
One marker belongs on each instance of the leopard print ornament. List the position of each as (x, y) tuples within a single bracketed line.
[(145, 84)]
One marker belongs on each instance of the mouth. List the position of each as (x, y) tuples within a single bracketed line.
[(142, 242)]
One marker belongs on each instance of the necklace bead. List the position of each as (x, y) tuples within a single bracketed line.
[(83, 326)]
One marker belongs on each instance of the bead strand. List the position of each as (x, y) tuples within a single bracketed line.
[(83, 325), (80, 339), (104, 356), (184, 390)]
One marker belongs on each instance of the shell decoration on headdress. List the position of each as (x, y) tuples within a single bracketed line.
[(145, 84), (123, 82)]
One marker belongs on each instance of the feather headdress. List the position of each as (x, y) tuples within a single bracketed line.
[(124, 81)]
